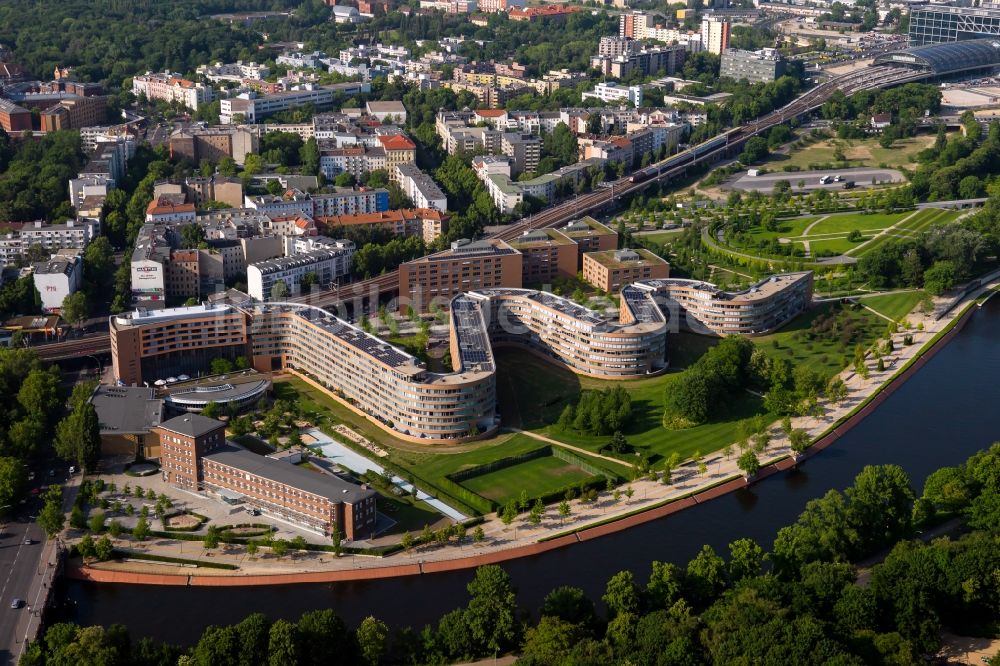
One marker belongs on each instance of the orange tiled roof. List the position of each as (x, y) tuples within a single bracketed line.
[(397, 142)]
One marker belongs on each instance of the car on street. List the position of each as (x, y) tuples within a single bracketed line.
[(28, 541), (16, 603)]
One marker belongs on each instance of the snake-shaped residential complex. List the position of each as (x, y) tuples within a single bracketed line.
[(395, 389)]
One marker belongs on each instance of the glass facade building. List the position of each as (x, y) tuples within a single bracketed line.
[(937, 24)]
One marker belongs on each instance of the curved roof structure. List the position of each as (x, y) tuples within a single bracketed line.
[(947, 58)]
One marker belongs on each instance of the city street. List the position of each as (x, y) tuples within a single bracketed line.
[(26, 573), (19, 578)]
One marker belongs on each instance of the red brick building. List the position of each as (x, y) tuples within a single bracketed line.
[(194, 455), (14, 118)]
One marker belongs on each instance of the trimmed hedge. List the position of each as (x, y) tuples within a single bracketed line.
[(194, 528), (502, 463), (119, 554)]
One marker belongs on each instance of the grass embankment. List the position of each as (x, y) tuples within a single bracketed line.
[(895, 306)]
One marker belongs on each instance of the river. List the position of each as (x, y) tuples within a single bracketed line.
[(939, 417)]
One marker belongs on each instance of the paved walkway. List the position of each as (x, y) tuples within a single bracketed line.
[(645, 493), (881, 233), (806, 231), (564, 445)]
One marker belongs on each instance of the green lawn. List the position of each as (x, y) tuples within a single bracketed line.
[(660, 237), (531, 392), (825, 356), (847, 222), (838, 245), (410, 516), (894, 306), (918, 223), (538, 477), (321, 409), (535, 392), (787, 228)]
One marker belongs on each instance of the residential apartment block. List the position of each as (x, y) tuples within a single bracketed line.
[(420, 188), (649, 60), (612, 92), (523, 149), (357, 160), (396, 391), (398, 150), (57, 278), (327, 266), (424, 222), (172, 88), (715, 35), (233, 72), (343, 201), (155, 344), (764, 307), (214, 144)]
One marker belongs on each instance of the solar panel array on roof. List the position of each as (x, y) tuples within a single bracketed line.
[(568, 307), (641, 306), (473, 341), (358, 339)]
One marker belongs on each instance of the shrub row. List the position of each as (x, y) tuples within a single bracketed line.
[(119, 554), (193, 528)]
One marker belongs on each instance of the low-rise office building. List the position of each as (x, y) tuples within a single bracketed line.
[(466, 266), (319, 502), (547, 254), (591, 236), (14, 119), (611, 270), (251, 108), (126, 416)]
